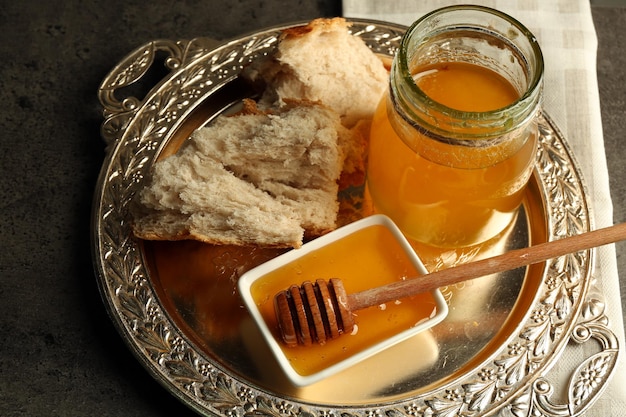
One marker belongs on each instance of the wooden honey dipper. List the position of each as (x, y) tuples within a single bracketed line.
[(320, 311)]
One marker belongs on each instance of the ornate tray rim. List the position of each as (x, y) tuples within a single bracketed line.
[(513, 381)]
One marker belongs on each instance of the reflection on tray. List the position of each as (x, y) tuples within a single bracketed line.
[(197, 282)]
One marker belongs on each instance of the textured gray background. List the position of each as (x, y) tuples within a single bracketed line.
[(59, 352)]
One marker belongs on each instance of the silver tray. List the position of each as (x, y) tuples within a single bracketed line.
[(175, 303)]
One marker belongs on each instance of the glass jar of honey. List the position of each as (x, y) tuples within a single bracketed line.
[(453, 143)]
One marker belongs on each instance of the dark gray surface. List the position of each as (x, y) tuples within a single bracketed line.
[(59, 352), (610, 25)]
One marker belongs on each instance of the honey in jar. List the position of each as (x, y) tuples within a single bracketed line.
[(453, 143)]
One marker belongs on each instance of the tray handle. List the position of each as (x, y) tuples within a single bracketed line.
[(587, 382), (118, 111)]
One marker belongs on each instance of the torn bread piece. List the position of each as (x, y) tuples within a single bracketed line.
[(256, 178), (324, 62)]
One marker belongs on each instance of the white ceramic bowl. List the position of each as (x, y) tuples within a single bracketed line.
[(365, 252)]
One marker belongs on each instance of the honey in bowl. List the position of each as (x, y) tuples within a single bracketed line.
[(365, 254)]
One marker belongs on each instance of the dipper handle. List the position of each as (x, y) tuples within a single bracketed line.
[(317, 312)]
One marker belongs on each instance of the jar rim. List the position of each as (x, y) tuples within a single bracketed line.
[(533, 85)]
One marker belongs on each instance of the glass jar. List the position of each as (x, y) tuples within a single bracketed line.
[(453, 142)]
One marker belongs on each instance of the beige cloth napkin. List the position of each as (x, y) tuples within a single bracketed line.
[(567, 35)]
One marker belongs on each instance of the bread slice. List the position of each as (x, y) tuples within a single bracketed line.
[(257, 178), (324, 62)]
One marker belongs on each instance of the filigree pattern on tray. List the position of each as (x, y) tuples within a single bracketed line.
[(515, 382)]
